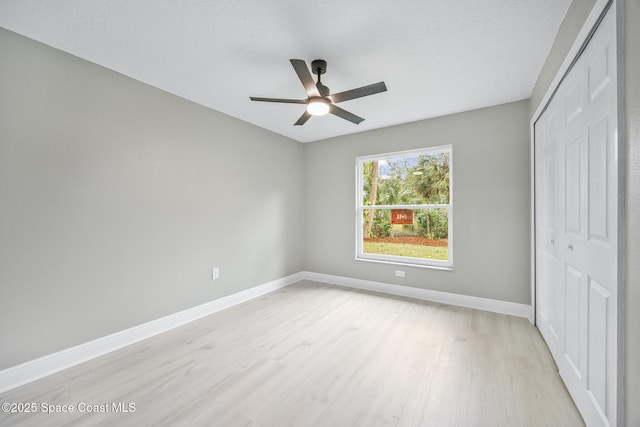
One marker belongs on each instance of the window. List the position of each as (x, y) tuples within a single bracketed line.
[(404, 208)]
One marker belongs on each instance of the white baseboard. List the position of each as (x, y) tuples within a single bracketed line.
[(32, 370), (496, 306)]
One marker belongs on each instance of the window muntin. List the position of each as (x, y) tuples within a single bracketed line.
[(404, 209)]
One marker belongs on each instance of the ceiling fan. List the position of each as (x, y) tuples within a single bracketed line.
[(319, 101)]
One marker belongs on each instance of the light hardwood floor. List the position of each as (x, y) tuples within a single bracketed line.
[(317, 355)]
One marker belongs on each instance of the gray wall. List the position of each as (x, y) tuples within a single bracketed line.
[(116, 199), (490, 176), (630, 19)]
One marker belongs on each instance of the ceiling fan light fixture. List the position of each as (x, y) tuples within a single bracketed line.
[(318, 107), (319, 100)]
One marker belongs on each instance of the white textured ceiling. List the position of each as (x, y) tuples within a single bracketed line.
[(436, 56)]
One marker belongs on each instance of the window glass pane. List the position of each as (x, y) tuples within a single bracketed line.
[(413, 180), (415, 233)]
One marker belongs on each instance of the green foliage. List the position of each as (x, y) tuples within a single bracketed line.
[(411, 180), (408, 181), (381, 224), (431, 178), (433, 223), (395, 191)]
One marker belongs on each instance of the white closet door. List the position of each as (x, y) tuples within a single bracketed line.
[(577, 275), (546, 175)]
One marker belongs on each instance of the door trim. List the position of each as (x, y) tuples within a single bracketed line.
[(599, 10)]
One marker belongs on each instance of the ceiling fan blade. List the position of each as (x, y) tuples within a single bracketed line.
[(287, 101), (305, 77), (337, 111), (303, 119), (359, 92)]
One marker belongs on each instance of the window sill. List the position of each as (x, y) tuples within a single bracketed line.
[(407, 264)]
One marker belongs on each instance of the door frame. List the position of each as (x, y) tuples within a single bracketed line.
[(600, 8)]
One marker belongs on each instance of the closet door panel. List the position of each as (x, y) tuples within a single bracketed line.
[(577, 276), (601, 242), (598, 170), (546, 183), (572, 178), (597, 352), (573, 317)]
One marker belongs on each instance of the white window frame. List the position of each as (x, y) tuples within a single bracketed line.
[(361, 208)]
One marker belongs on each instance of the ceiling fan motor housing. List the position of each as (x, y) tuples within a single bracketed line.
[(319, 66)]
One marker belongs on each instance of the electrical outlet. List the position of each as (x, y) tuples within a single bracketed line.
[(399, 273), (215, 273)]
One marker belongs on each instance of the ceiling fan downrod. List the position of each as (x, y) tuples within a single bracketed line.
[(319, 67)]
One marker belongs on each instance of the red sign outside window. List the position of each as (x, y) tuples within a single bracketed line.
[(402, 216)]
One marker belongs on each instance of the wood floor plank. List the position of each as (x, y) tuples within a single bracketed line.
[(313, 354)]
